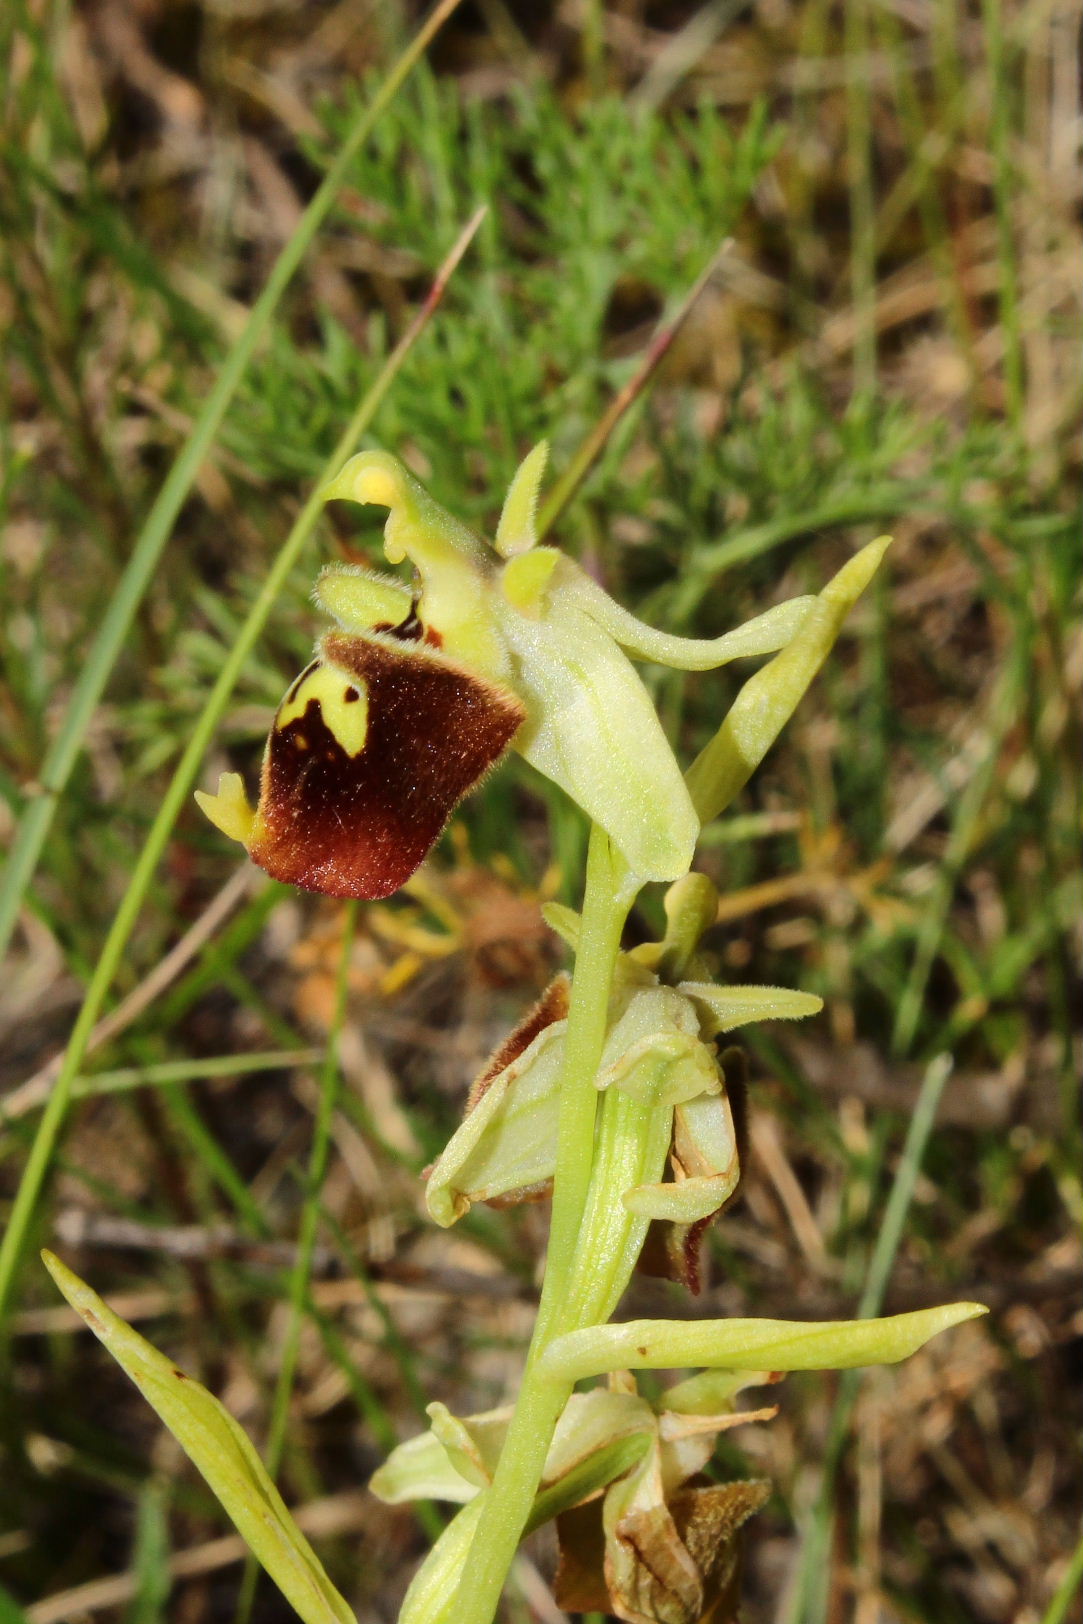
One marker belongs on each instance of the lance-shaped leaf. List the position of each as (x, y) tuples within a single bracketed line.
[(770, 697), (214, 1442), (749, 1344)]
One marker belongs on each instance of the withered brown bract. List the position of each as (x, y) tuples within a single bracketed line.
[(358, 784)]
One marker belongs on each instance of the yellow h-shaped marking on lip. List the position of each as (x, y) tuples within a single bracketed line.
[(345, 718)]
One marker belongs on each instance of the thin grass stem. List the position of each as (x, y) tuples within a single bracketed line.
[(14, 1240), (811, 1592), (596, 441), (35, 822), (301, 1273)]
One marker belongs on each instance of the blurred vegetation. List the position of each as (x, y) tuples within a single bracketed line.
[(892, 344)]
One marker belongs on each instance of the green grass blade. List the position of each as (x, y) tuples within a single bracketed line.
[(301, 1273), (221, 1450), (1057, 1611), (64, 751), (813, 1577)]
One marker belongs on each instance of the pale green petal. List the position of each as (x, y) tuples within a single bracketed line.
[(770, 697), (420, 1469), (517, 530), (764, 635), (748, 1344), (724, 1008), (592, 729), (508, 1141), (214, 1442), (360, 599)]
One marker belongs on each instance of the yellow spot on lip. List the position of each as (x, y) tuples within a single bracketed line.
[(346, 719)]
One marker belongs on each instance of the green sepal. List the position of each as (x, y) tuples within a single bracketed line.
[(507, 1142), (592, 729)]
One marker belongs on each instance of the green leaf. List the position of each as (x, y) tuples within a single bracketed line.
[(213, 1441), (748, 1344)]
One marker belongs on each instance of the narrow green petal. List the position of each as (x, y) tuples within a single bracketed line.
[(711, 1392), (764, 635), (214, 1442), (748, 1344), (360, 599), (564, 921), (691, 907), (770, 697), (517, 530), (727, 1007)]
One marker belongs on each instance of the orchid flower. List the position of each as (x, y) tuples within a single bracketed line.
[(423, 687), (642, 1533), (664, 1016)]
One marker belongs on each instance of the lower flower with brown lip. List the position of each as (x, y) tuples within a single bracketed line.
[(371, 750)]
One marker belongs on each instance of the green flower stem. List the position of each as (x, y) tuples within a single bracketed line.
[(605, 907), (506, 1505)]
